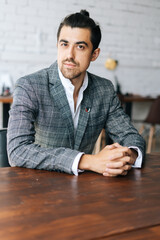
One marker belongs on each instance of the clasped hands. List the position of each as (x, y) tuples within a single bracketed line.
[(113, 160)]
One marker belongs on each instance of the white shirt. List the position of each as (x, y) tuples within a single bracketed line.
[(69, 90)]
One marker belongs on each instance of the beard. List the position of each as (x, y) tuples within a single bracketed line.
[(70, 73)]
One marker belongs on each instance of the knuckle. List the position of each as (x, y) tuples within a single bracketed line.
[(128, 159), (124, 173), (123, 164), (126, 149), (127, 167)]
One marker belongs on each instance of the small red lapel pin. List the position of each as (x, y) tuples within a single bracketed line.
[(87, 109)]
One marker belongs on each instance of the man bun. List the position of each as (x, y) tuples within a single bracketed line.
[(84, 12)]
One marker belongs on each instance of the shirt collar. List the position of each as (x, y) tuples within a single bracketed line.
[(67, 83)]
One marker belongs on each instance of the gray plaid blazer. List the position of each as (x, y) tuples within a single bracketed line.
[(41, 131)]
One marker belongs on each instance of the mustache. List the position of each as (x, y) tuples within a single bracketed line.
[(70, 61)]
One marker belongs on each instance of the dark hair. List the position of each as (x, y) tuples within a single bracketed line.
[(82, 20)]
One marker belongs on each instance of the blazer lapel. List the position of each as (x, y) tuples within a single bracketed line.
[(86, 107), (59, 96)]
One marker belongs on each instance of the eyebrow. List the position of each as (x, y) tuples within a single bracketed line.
[(82, 42), (79, 42), (62, 40)]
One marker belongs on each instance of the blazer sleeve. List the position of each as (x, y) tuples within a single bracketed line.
[(21, 147), (119, 127)]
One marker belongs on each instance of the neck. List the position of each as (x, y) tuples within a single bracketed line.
[(78, 81)]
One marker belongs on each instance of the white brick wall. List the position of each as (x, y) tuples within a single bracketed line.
[(130, 34)]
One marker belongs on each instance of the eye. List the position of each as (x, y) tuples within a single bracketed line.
[(63, 44), (81, 47)]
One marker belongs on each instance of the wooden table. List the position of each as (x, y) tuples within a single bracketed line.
[(6, 101), (137, 98), (37, 204), (128, 100)]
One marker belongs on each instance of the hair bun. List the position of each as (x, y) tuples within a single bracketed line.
[(84, 12)]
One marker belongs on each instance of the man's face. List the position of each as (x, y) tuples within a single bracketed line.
[(75, 52)]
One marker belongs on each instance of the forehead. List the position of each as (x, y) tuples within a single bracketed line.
[(75, 34)]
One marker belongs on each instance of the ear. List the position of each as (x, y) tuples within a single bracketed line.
[(95, 54)]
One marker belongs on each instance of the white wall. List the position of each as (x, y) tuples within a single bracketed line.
[(130, 28)]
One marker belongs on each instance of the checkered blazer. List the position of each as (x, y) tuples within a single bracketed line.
[(41, 131)]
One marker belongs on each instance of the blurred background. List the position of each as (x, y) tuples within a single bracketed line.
[(130, 35)]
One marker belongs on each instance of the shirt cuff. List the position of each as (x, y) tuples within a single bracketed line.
[(138, 162), (75, 169)]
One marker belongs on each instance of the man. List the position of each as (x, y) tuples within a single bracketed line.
[(59, 112)]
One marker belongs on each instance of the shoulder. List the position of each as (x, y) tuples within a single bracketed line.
[(34, 78), (31, 85), (38, 78), (100, 83)]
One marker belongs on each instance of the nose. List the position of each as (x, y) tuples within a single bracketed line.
[(70, 52)]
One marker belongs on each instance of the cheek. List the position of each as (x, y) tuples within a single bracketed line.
[(85, 61), (59, 61), (60, 53), (60, 57)]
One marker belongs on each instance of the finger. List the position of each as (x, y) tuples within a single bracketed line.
[(119, 164), (115, 164), (132, 153), (128, 152), (106, 174), (126, 163), (117, 153), (110, 147), (127, 167), (117, 145), (128, 160), (125, 160), (117, 168), (124, 173), (109, 175), (113, 146), (112, 171)]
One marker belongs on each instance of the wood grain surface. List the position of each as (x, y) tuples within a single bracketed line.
[(37, 204)]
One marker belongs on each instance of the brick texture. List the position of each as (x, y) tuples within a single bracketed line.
[(130, 34)]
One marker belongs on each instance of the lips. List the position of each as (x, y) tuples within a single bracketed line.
[(69, 65)]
